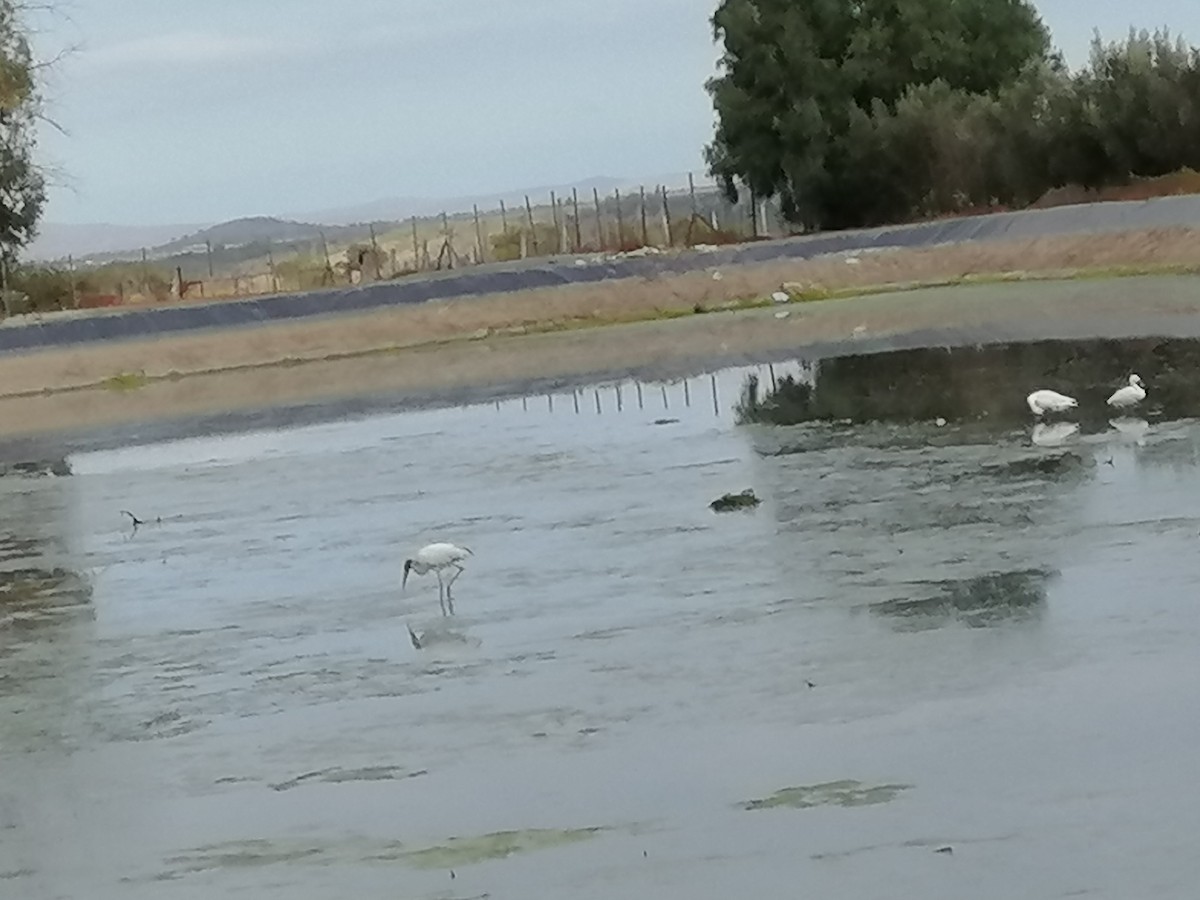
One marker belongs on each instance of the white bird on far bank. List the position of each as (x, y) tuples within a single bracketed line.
[(437, 558), (1130, 395), (1045, 401)]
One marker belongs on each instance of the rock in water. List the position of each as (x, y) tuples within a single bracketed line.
[(728, 502)]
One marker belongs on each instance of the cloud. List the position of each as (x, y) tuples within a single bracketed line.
[(184, 48)]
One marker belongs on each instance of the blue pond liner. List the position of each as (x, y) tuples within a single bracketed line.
[(499, 278)]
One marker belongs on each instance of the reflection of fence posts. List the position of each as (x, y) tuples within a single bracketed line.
[(599, 221)]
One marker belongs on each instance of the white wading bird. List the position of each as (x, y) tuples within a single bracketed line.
[(1042, 402), (437, 558), (1130, 395)]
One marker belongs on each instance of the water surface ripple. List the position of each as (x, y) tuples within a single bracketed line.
[(919, 640)]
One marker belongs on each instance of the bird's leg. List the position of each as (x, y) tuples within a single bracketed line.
[(441, 593), (458, 570)]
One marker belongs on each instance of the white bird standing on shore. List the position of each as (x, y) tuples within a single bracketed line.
[(1044, 401), (437, 558), (1130, 395)]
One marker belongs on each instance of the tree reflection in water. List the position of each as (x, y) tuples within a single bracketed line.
[(978, 602), (40, 592), (982, 383), (916, 494)]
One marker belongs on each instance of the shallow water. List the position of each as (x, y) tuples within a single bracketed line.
[(924, 638)]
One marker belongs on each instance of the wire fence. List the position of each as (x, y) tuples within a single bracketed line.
[(643, 220)]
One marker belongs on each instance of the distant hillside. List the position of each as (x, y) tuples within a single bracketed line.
[(258, 230), (58, 241)]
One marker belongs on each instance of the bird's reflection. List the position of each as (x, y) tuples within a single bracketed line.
[(1131, 428), (440, 634), (1054, 434)]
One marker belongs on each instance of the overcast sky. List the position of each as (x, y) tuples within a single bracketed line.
[(203, 111)]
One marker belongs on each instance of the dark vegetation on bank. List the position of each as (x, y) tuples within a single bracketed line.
[(869, 112)]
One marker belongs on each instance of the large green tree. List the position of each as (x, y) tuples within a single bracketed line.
[(798, 78), (22, 184)]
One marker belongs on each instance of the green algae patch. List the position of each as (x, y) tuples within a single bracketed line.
[(127, 381), (240, 855), (831, 793), (468, 851)]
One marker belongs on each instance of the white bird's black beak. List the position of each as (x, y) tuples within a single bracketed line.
[(407, 568)]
